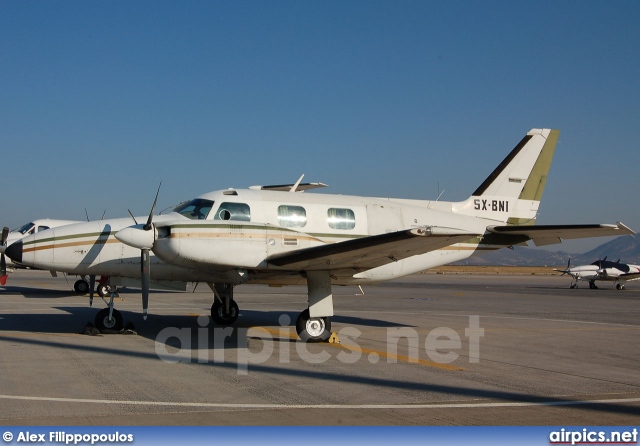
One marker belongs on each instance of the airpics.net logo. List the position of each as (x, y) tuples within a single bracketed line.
[(257, 345), (588, 436)]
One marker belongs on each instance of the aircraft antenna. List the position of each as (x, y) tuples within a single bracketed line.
[(86, 213), (295, 186), (439, 193)]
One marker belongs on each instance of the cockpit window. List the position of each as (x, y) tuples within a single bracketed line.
[(233, 211), (196, 209), (43, 228), (26, 229)]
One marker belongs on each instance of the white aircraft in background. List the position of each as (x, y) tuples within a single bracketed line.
[(604, 270), (272, 235), (33, 227)]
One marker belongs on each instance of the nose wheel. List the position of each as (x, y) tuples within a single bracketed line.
[(109, 322), (109, 319), (221, 315)]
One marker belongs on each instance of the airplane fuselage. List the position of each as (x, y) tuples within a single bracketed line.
[(244, 227)]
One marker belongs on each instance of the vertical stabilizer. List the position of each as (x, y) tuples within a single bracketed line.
[(512, 193)]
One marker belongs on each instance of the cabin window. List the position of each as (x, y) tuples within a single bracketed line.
[(196, 209), (233, 211), (341, 218), (292, 216), (43, 228)]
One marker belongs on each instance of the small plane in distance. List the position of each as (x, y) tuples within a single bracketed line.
[(277, 235), (604, 270), (9, 237)]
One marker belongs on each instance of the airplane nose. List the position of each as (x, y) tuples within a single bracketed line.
[(14, 251)]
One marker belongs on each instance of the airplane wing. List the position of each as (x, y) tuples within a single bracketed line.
[(370, 252), (551, 234), (629, 276)]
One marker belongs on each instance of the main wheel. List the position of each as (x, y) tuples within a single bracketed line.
[(619, 286), (81, 286), (221, 317), (104, 322), (102, 290), (313, 329)]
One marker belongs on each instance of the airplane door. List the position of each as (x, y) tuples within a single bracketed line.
[(383, 219)]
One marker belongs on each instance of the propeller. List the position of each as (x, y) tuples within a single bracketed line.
[(602, 270), (3, 260), (142, 237), (565, 271)]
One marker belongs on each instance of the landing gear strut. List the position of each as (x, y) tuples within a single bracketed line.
[(314, 323)]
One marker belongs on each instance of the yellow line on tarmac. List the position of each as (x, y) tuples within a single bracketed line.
[(368, 351)]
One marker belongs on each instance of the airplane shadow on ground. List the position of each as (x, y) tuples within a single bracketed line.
[(75, 319), (35, 293), (312, 372), (48, 293)]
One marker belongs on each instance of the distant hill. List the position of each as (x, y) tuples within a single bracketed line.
[(626, 248)]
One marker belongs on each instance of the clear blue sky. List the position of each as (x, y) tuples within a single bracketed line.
[(99, 101)]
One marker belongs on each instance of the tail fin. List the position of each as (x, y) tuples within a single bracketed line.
[(512, 193)]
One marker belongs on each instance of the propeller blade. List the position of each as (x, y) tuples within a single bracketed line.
[(566, 271), (153, 208), (3, 270), (92, 287), (145, 265), (132, 217)]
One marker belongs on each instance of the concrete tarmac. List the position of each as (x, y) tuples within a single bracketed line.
[(424, 350)]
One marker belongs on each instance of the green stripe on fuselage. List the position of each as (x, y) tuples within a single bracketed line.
[(104, 234)]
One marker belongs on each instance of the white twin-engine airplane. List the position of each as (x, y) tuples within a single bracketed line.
[(269, 235), (604, 270), (10, 237)]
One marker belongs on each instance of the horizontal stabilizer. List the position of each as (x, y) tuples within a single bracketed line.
[(551, 234)]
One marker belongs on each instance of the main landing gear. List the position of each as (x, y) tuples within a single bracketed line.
[(224, 310), (312, 324), (313, 329), (83, 286), (592, 285)]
